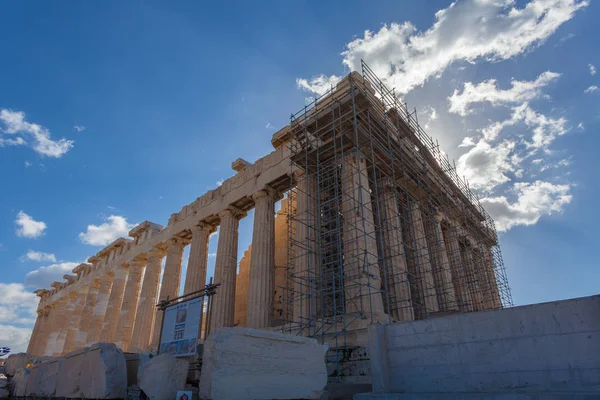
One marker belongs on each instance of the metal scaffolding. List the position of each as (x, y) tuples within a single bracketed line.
[(381, 227)]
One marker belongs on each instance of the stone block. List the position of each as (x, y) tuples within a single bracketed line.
[(243, 363), (67, 383), (162, 376), (42, 379), (4, 393), (16, 362), (3, 383), (103, 373), (18, 383)]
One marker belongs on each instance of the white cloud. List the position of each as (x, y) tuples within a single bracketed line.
[(592, 69), (487, 91), (485, 166), (18, 141), (27, 164), (14, 337), (533, 200), (591, 89), (469, 30), (319, 84), (28, 227), (580, 126), (38, 256), (105, 233), (44, 276), (15, 124), (17, 304), (268, 126), (545, 129), (79, 128), (220, 182)]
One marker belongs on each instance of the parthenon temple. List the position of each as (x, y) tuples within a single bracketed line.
[(374, 225)]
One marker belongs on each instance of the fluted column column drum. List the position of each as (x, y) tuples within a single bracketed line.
[(129, 305), (195, 278), (99, 313), (262, 263), (169, 288), (146, 312), (86, 315), (75, 319), (113, 309), (225, 270)]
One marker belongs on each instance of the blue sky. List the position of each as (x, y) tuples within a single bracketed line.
[(120, 112)]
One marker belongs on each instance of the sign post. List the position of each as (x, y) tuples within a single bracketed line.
[(181, 325)]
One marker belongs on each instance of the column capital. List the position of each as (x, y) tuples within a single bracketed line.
[(298, 173), (137, 262), (232, 211), (157, 252), (176, 241), (266, 192), (202, 226)]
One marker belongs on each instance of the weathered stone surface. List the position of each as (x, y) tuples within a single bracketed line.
[(42, 379), (3, 383), (67, 383), (3, 393), (242, 363), (162, 376), (104, 373), (16, 362), (18, 383)]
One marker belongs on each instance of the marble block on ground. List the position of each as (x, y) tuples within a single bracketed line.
[(162, 376), (243, 363), (3, 393), (67, 382), (18, 383), (103, 373), (42, 379), (16, 362)]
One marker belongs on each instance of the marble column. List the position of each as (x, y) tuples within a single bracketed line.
[(306, 248), (45, 327), (362, 279), (262, 264), (56, 317), (495, 300), (113, 309), (424, 269), (50, 333), (87, 314), (169, 288), (65, 324), (458, 268), (75, 319), (195, 278), (396, 271), (35, 334), (129, 304), (443, 272), (99, 313), (223, 302), (472, 278), (146, 312)]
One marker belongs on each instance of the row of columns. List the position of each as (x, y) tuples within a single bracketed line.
[(120, 306), (445, 274)]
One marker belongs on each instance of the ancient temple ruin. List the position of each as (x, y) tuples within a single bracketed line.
[(374, 226)]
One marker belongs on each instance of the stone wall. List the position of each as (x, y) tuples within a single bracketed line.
[(537, 348)]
